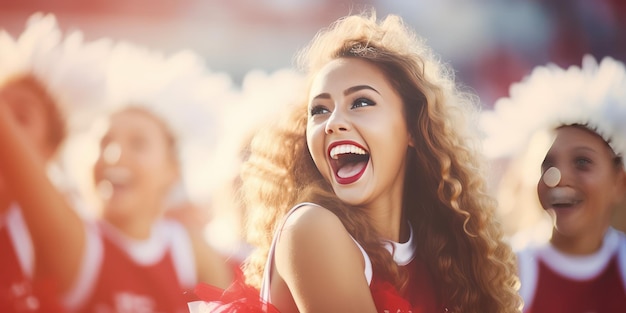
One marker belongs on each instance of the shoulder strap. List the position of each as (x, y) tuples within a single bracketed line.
[(621, 258), (267, 272), (528, 275)]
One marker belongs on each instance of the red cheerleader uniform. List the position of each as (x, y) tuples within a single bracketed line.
[(18, 292), (419, 296), (121, 275), (556, 282)]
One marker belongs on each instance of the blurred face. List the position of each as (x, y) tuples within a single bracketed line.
[(29, 110), (136, 166), (356, 132), (589, 186)]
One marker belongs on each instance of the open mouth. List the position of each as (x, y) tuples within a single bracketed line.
[(117, 175), (348, 161), (563, 199), (564, 205), (114, 180)]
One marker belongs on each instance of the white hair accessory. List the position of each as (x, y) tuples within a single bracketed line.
[(71, 70), (593, 95), (181, 91), (177, 88)]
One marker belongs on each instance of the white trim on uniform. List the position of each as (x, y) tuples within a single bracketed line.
[(89, 271), (21, 240), (164, 235), (403, 254), (569, 266), (183, 255)]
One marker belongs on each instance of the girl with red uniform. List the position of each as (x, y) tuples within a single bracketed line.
[(43, 76), (582, 267), (131, 259)]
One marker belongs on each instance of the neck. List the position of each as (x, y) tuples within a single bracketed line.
[(577, 245), (389, 223), (135, 227)]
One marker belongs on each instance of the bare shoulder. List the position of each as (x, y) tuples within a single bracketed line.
[(313, 226), (312, 217), (320, 264)]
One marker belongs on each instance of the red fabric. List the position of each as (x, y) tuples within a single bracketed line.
[(419, 296), (124, 286), (238, 298), (555, 293), (18, 293)]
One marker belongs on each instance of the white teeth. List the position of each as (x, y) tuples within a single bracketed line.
[(563, 196), (343, 149)]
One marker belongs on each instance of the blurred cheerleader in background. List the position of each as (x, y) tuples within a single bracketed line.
[(261, 97), (43, 77), (581, 265), (131, 258)]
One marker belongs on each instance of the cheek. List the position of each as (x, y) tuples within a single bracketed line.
[(163, 172), (97, 170), (541, 193), (315, 143)]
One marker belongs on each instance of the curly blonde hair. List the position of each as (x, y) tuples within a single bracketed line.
[(445, 197)]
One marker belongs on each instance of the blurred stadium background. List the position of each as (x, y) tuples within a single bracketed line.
[(489, 43)]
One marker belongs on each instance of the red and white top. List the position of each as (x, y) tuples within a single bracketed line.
[(18, 291), (123, 275), (552, 281), (419, 296)]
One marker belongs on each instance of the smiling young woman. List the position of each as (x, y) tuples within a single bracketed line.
[(367, 196)]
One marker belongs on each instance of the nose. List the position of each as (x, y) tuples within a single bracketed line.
[(337, 122)]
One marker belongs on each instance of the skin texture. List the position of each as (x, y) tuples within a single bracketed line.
[(304, 251), (592, 184)]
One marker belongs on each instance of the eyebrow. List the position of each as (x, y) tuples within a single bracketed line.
[(584, 148), (348, 91), (357, 88)]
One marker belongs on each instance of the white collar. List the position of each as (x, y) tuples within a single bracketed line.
[(403, 253), (145, 252), (584, 266)]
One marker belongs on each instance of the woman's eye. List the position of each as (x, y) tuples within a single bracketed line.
[(362, 102), (582, 162), (318, 109)]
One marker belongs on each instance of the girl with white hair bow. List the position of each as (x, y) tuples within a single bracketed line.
[(131, 259)]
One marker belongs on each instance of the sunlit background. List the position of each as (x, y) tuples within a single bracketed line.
[(490, 44)]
